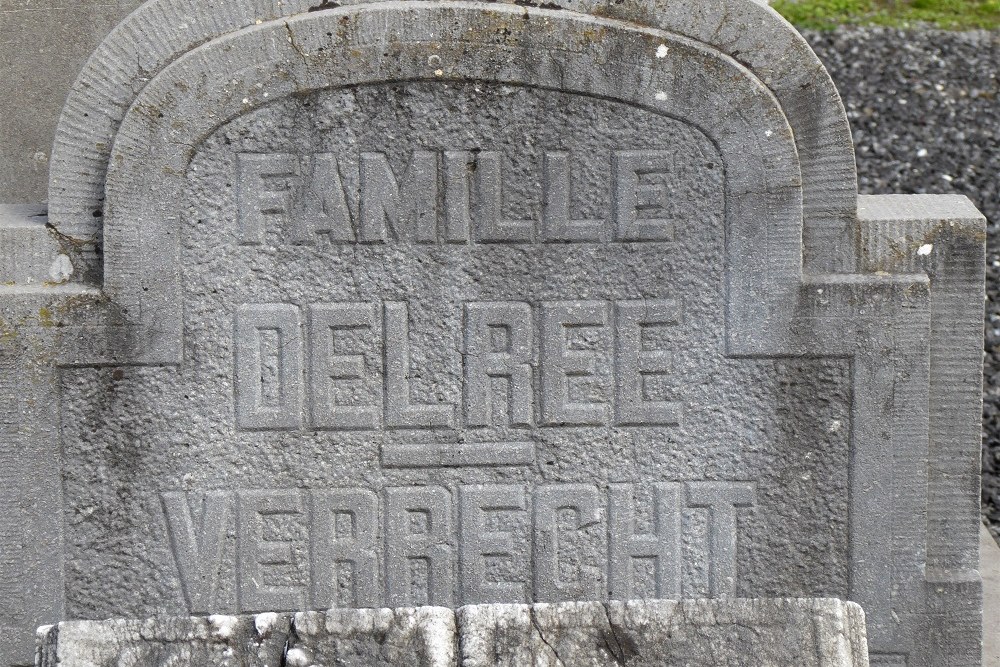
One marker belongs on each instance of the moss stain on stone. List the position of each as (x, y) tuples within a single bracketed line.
[(45, 317)]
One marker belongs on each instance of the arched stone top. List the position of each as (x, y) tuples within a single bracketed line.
[(142, 45), (161, 31), (386, 42)]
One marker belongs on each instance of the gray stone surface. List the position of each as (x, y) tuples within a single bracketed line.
[(216, 641), (923, 107), (693, 633), (32, 253), (163, 30), (45, 44), (446, 303), (989, 554), (899, 235), (416, 637)]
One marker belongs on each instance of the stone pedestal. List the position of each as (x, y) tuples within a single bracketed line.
[(691, 633)]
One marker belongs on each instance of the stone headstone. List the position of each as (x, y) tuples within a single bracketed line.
[(449, 303)]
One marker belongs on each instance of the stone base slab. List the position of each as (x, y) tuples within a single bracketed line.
[(222, 641), (694, 633)]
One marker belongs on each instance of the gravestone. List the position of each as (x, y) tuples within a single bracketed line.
[(449, 303)]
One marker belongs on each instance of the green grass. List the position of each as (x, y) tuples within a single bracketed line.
[(946, 14)]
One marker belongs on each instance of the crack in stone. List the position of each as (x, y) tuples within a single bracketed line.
[(541, 635), (292, 634), (619, 656), (295, 44)]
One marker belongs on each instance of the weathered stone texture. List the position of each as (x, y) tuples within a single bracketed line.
[(417, 637), (693, 633), (441, 303), (45, 45), (163, 30), (216, 641)]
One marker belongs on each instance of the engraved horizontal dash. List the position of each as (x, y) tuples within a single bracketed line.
[(433, 455)]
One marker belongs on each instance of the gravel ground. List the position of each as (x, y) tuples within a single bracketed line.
[(925, 108)]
